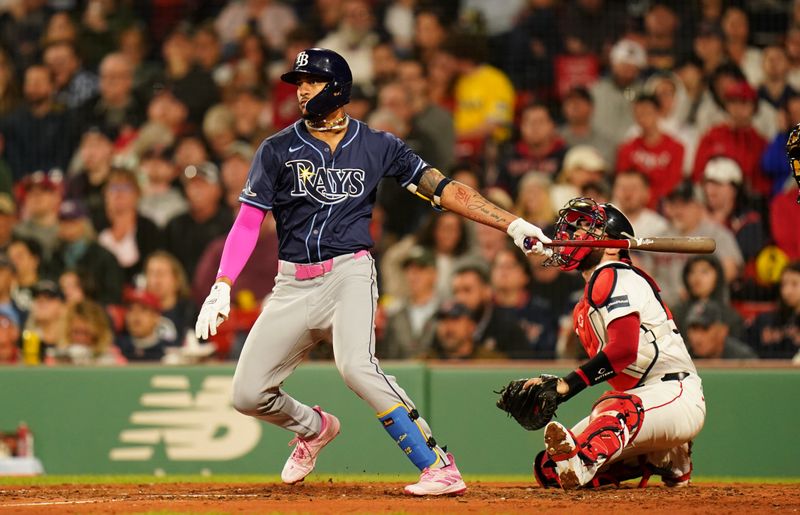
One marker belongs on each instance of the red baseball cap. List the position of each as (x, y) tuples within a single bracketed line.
[(741, 91), (142, 297)]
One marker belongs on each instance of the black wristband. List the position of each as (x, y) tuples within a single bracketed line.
[(576, 385), (598, 369)]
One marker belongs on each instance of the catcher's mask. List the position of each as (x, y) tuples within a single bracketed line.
[(583, 219), (328, 65)]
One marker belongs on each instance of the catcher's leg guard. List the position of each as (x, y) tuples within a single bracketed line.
[(544, 470), (615, 420), (402, 425)]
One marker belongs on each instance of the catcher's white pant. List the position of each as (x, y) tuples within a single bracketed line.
[(299, 313), (675, 412)]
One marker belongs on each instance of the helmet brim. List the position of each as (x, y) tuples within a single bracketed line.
[(294, 76)]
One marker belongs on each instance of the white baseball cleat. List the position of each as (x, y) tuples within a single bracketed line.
[(563, 450), (304, 456), (442, 481)]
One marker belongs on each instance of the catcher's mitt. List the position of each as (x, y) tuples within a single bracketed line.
[(793, 153), (534, 407)]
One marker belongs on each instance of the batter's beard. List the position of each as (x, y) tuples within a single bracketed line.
[(591, 260)]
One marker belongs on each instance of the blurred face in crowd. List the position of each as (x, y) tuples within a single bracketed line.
[(631, 193), (701, 279), (71, 286), (490, 241), (707, 342), (719, 195), (132, 44), (684, 214), (384, 62), (793, 44), (577, 110), (664, 90), (167, 109), (7, 222), (63, 63), (775, 63), (9, 334), (25, 262), (41, 201), (96, 151), (396, 99), (121, 196), (709, 48), (81, 331), (72, 230), (421, 280), (790, 289), (248, 110), (793, 111), (141, 321), (624, 73), (38, 86), (234, 176), (357, 16), (470, 290), (447, 233), (455, 334), (429, 33), (412, 76), (735, 24), (116, 79), (160, 278), (190, 151), (740, 111), (646, 116), (507, 273), (207, 48), (202, 194), (158, 169), (177, 49), (536, 126), (61, 28), (661, 21), (46, 308)]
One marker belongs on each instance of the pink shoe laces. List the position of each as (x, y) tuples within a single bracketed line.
[(300, 452)]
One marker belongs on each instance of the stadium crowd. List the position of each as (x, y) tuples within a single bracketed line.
[(127, 129)]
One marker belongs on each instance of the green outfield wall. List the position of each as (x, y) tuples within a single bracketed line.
[(141, 420)]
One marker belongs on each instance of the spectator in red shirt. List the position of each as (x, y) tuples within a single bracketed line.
[(654, 153), (783, 212), (736, 139)]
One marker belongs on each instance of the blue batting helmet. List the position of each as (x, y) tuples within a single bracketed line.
[(327, 64)]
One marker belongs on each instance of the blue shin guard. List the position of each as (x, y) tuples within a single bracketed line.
[(402, 425)]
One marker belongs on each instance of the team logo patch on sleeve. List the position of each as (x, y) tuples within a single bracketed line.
[(620, 301)]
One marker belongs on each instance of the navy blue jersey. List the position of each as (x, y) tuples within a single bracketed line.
[(323, 203)]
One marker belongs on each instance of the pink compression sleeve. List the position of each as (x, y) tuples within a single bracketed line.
[(241, 241)]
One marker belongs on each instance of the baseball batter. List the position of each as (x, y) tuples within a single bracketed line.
[(318, 177), (646, 423)]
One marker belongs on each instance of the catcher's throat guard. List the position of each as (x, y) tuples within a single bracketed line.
[(402, 425)]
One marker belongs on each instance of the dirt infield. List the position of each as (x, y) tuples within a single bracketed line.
[(335, 497)]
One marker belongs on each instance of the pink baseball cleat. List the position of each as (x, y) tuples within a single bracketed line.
[(442, 481), (304, 456)]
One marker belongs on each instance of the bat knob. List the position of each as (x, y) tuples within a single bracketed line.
[(528, 243)]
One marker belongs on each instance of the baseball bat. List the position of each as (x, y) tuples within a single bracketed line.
[(687, 245)]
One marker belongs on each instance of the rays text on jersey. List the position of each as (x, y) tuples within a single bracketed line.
[(325, 185)]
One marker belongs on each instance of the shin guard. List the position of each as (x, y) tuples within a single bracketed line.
[(402, 425)]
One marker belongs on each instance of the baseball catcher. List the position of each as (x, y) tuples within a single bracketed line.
[(645, 424), (793, 153)]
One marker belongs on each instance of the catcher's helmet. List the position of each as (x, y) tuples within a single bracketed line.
[(321, 62), (595, 221)]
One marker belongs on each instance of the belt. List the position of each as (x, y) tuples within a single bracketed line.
[(304, 272), (675, 376)]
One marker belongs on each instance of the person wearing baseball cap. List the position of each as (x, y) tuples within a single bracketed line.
[(455, 335), (709, 337), (727, 204), (46, 315), (80, 252), (613, 111), (141, 340), (189, 234), (161, 199), (41, 196), (9, 335), (578, 108)]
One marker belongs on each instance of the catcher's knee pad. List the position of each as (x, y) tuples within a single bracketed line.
[(628, 408), (544, 470), (402, 425)]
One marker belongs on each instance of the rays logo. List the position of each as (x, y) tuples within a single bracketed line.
[(302, 59), (325, 185)]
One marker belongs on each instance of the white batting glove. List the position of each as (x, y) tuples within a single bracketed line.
[(215, 310), (528, 237)]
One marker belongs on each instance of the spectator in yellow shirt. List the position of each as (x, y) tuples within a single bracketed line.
[(484, 96)]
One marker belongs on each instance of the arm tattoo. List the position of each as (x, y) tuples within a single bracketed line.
[(427, 184)]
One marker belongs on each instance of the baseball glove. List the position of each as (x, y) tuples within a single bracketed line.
[(531, 408), (793, 153)]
